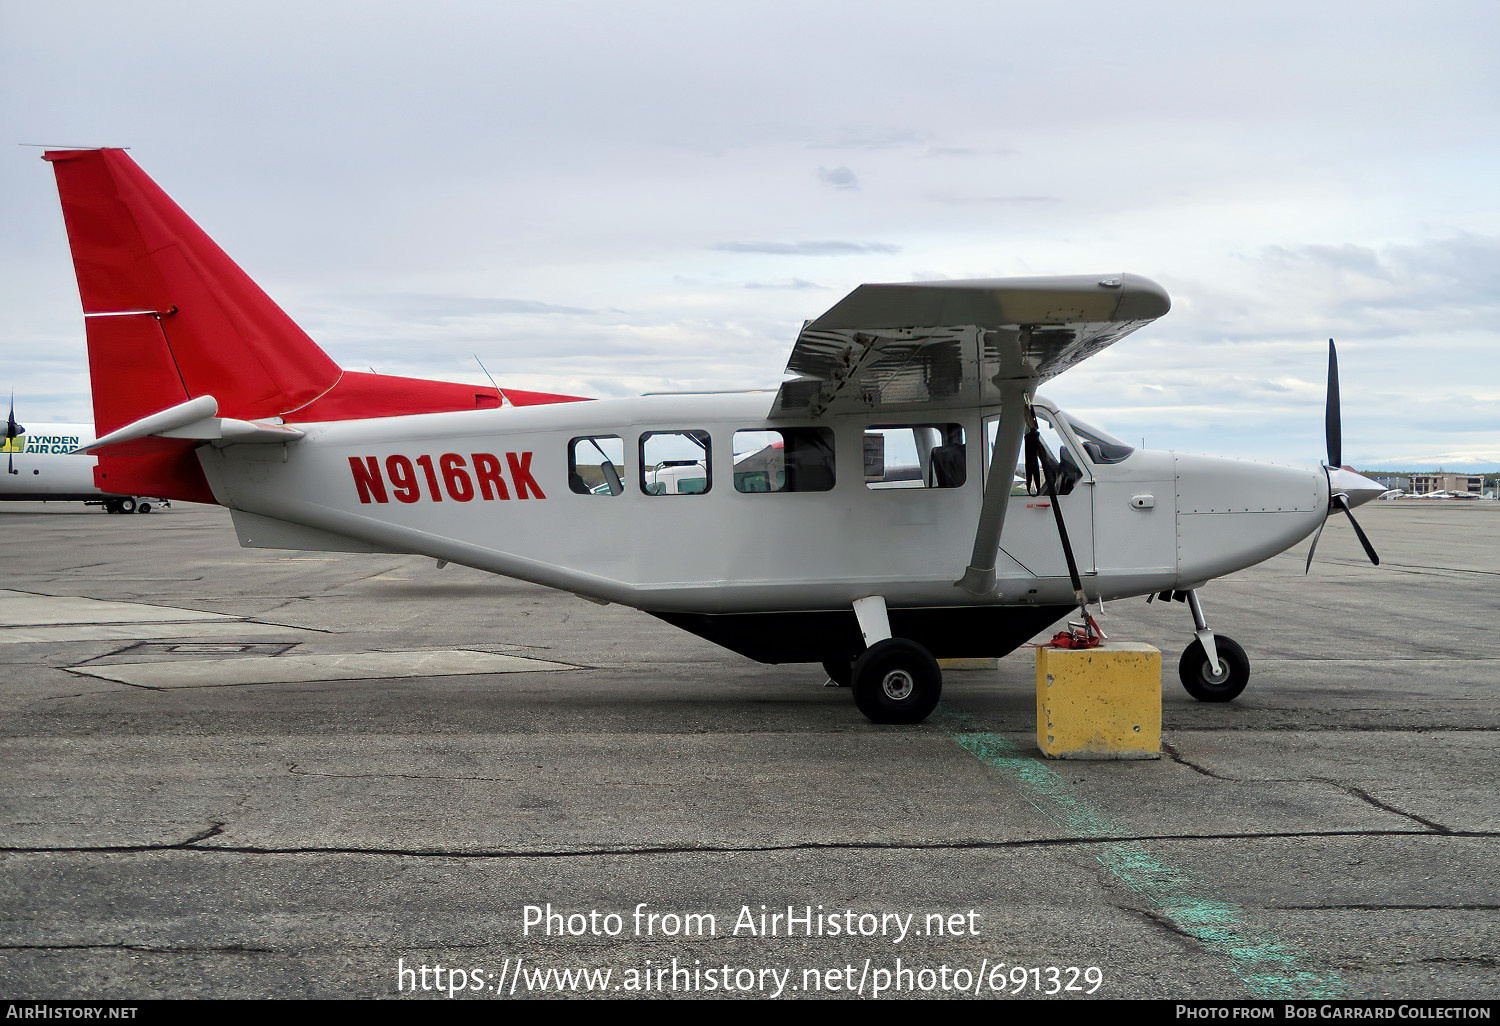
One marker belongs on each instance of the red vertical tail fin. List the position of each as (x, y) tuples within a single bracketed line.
[(170, 316)]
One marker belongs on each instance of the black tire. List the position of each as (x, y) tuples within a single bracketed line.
[(111, 505), (897, 681), (127, 505), (144, 507), (1198, 678), (839, 670)]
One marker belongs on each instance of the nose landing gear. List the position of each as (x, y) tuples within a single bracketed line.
[(1213, 668), (1203, 682)]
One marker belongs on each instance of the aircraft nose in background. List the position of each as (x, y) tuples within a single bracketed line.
[(1357, 487)]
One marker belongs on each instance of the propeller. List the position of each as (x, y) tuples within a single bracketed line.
[(12, 431), (1332, 425)]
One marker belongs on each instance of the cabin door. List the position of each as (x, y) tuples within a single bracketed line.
[(1030, 538)]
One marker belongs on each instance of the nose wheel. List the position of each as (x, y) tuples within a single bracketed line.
[(1206, 684), (1213, 668)]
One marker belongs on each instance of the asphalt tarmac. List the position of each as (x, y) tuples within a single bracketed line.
[(243, 773)]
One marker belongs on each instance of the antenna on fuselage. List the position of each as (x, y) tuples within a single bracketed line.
[(503, 401)]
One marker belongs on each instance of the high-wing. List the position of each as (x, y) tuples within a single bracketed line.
[(954, 342)]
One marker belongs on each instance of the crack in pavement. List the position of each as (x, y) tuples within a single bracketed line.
[(1355, 792), (1166, 924), (1177, 757), (1358, 793), (192, 845), (1385, 908), (121, 946), (296, 770)]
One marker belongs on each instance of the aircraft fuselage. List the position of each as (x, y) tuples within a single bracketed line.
[(492, 489)]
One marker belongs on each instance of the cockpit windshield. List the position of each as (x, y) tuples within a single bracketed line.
[(1101, 447)]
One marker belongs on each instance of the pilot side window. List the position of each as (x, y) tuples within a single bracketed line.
[(783, 460), (1100, 447), (915, 456), (675, 463), (596, 464)]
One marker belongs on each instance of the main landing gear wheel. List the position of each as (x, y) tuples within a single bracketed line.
[(897, 681), (840, 671), (1199, 678)]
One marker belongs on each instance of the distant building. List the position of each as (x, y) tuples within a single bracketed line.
[(1422, 484), (1401, 481)]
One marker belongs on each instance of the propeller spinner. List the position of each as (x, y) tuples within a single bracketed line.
[(1342, 482)]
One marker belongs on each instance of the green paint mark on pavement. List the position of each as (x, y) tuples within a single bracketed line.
[(1268, 967)]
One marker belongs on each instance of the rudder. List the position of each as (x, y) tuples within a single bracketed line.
[(169, 315)]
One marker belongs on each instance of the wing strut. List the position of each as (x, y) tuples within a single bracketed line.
[(979, 576)]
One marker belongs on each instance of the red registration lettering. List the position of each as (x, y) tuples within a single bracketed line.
[(367, 479), (456, 477), (487, 471), (487, 477), (520, 474), (403, 478), (425, 462)]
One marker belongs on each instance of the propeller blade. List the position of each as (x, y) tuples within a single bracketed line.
[(1338, 500), (1331, 414), (1314, 546)]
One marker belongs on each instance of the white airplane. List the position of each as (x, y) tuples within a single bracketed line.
[(831, 552), (39, 467)]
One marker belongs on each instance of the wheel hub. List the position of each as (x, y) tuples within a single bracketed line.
[(898, 685), (1210, 677)]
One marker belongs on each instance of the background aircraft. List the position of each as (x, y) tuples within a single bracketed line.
[(39, 467)]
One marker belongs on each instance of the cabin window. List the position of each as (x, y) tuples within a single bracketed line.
[(675, 463), (783, 460), (915, 456), (1057, 456), (596, 465)]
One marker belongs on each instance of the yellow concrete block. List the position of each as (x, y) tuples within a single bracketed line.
[(981, 663), (1099, 703)]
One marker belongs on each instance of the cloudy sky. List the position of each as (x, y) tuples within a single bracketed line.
[(610, 198)]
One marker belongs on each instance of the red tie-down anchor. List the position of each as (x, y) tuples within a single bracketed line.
[(1085, 634)]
